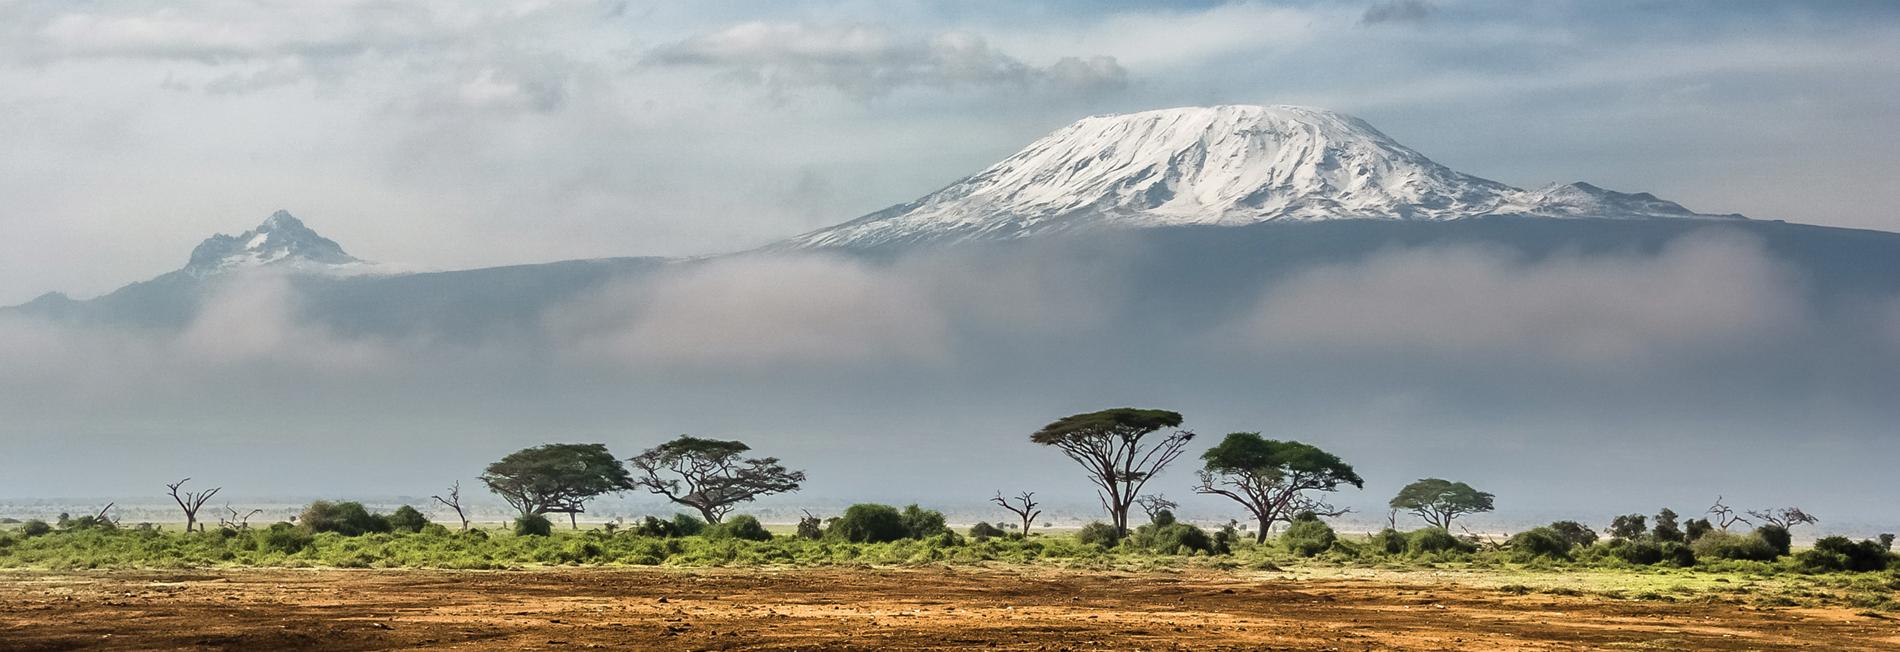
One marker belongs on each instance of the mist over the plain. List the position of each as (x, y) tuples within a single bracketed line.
[(1568, 382)]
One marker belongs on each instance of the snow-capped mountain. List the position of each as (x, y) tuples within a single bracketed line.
[(281, 243), (1223, 165)]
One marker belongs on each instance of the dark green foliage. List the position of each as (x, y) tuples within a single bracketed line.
[(1438, 501), (1308, 537), (711, 475), (556, 477), (1777, 537), (1431, 540), (533, 525), (1843, 554), (283, 537), (1667, 529), (1099, 533), (1270, 477), (1163, 517), (1727, 545), (1676, 553), (347, 518), (868, 523), (653, 527), (407, 519), (1886, 541), (1173, 539), (686, 525), (920, 523), (809, 527), (983, 530), (1389, 541), (1629, 526), (1577, 534), (1639, 551), (1543, 542), (1696, 528), (743, 526), (35, 527)]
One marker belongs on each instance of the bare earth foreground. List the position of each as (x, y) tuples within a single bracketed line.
[(859, 608)]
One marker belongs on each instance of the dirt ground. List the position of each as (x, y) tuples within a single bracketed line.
[(881, 609)]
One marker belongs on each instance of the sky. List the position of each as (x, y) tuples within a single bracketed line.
[(451, 135), (455, 135)]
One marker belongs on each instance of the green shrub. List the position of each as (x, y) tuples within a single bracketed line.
[(920, 523), (1629, 526), (743, 526), (869, 523), (35, 527), (407, 519), (1641, 552), (283, 537), (1308, 537), (1576, 534), (1542, 542), (1717, 544), (436, 530), (809, 527), (1777, 537), (1163, 517), (686, 525), (1676, 553), (1697, 528), (1843, 554), (1099, 533), (1388, 541), (653, 527), (1432, 540), (346, 518), (534, 525), (983, 530), (1175, 538)]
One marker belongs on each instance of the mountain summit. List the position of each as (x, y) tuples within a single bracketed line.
[(281, 242), (1222, 165)]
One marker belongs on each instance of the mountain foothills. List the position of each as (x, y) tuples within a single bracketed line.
[(1201, 204)]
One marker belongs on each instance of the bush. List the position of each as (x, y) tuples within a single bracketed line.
[(743, 526), (1727, 545), (407, 519), (1886, 541), (983, 530), (35, 527), (1388, 541), (1431, 539), (1175, 538), (283, 537), (869, 523), (534, 525), (1543, 542), (1641, 552), (686, 525), (809, 527), (1576, 534), (1676, 553), (1777, 537), (922, 523), (1843, 554), (346, 518), (1163, 517), (653, 527), (1099, 533), (1629, 526), (1697, 528), (1308, 537)]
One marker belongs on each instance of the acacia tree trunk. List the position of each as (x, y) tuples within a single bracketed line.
[(573, 521), (711, 518), (1261, 536)]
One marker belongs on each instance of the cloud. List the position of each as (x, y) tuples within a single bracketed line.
[(755, 313), (1703, 295), (870, 60), (1398, 11)]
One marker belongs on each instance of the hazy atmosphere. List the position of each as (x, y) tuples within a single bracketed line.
[(1661, 367)]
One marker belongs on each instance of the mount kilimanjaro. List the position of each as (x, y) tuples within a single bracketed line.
[(1204, 204)]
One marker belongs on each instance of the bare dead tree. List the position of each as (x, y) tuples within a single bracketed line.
[(101, 517), (1154, 504), (1725, 516), (1024, 507), (235, 521), (454, 501), (1785, 518), (191, 502)]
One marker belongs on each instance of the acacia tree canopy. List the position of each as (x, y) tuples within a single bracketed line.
[(1274, 479), (710, 475), (1439, 501), (556, 477), (1109, 446)]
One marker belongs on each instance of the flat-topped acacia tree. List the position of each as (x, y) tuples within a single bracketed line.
[(1438, 502), (557, 478), (711, 475), (1274, 480), (1115, 450)]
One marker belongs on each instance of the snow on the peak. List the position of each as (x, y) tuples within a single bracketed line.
[(280, 243), (1222, 165)]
